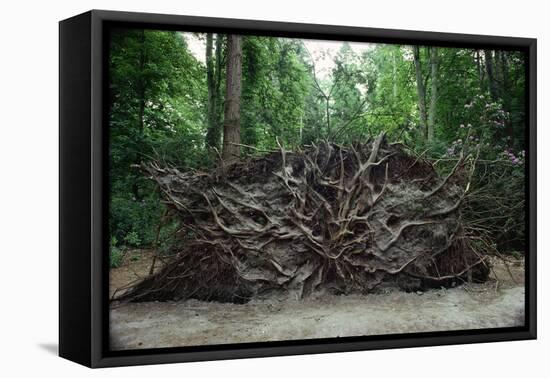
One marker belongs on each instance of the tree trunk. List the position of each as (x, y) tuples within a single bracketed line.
[(218, 86), (505, 93), (327, 101), (212, 133), (504, 81), (491, 75), (478, 65), (301, 129), (421, 90), (142, 84), (434, 65), (394, 72), (141, 113), (231, 124)]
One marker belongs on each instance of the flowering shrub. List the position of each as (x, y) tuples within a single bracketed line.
[(516, 160), (495, 204)]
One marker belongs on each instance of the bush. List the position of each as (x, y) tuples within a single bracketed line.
[(115, 255), (132, 239), (134, 220), (495, 203)]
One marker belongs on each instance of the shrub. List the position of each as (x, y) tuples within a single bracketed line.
[(132, 239), (115, 254)]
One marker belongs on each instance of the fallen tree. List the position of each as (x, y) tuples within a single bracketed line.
[(329, 217)]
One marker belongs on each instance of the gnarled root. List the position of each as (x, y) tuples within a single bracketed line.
[(329, 217)]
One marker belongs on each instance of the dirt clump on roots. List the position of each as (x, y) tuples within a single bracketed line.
[(341, 219)]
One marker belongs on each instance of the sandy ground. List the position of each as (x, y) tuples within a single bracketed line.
[(165, 324)]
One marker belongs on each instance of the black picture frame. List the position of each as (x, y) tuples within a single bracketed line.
[(83, 181)]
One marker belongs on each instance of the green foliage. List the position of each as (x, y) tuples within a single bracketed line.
[(275, 83), (132, 239), (393, 103), (134, 219), (158, 92), (116, 254)]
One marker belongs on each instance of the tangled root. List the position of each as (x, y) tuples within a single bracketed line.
[(344, 219)]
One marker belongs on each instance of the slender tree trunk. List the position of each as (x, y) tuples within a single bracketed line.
[(301, 129), (497, 74), (478, 65), (231, 124), (420, 89), (489, 67), (505, 93), (141, 113), (218, 87), (212, 133), (213, 80), (434, 65), (327, 100), (141, 89), (142, 84), (210, 86), (504, 80), (394, 72)]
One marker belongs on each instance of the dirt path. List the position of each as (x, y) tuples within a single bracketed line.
[(165, 324)]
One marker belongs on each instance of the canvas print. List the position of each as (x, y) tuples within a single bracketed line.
[(267, 189)]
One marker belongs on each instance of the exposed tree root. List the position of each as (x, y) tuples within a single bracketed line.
[(327, 218)]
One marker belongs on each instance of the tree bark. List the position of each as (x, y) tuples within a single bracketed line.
[(327, 101), (212, 133), (421, 90), (477, 59), (394, 72), (142, 84), (218, 86), (504, 80), (489, 67), (505, 94), (231, 124), (434, 65)]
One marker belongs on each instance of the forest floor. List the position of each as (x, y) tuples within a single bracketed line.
[(496, 303)]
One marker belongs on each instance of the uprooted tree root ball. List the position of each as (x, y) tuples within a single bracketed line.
[(335, 218)]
